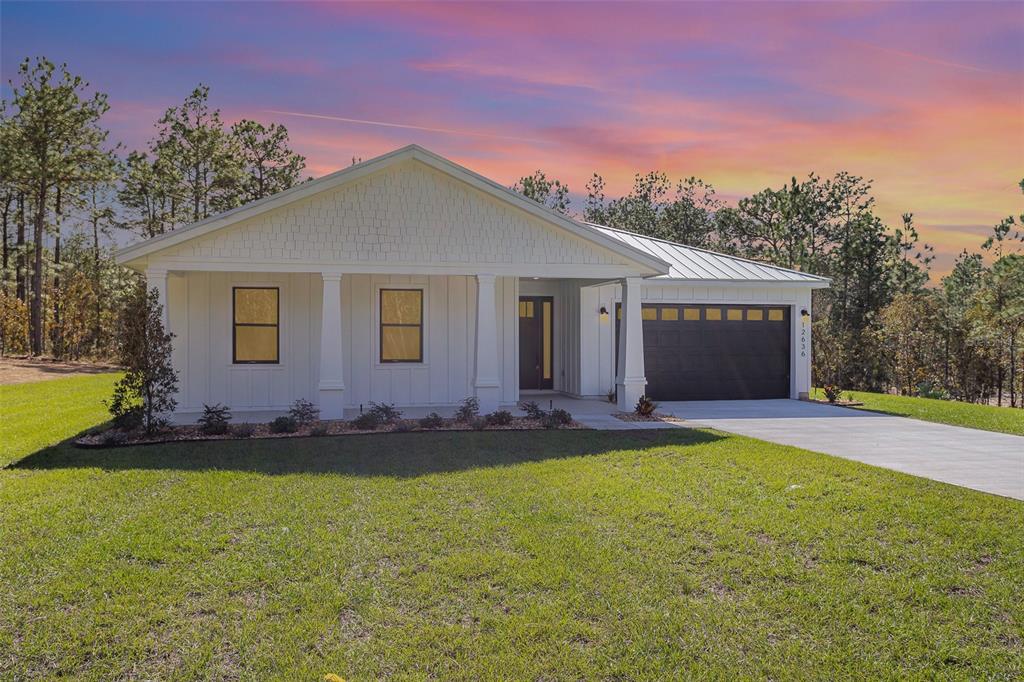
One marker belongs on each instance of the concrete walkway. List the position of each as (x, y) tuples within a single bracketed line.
[(982, 460)]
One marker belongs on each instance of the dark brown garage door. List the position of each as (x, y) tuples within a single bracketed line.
[(707, 352)]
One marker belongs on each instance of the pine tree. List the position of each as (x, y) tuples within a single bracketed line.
[(193, 148), (59, 144), (269, 166)]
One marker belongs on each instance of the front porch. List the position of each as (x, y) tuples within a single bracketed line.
[(335, 339)]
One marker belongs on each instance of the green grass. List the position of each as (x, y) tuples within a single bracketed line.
[(557, 555), (42, 413), (985, 417)]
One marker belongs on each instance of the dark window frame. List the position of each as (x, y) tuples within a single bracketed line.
[(235, 325), (381, 325)]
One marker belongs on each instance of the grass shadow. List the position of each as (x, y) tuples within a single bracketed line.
[(392, 454)]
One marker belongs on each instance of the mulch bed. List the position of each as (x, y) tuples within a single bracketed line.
[(840, 403), (109, 438), (656, 417)]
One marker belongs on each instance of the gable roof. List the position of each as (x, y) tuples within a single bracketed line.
[(645, 258), (691, 263)]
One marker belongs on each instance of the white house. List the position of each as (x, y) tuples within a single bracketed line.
[(411, 280)]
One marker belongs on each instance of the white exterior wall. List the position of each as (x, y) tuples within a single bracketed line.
[(200, 315), (597, 332)]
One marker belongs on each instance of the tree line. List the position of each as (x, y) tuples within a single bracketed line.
[(882, 325), (66, 189)]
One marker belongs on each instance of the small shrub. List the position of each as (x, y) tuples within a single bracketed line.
[(367, 421), (645, 407), (304, 412), (318, 430), (499, 418), (432, 421), (612, 396), (556, 418), (403, 426), (532, 409), (243, 430), (832, 392), (284, 424), (927, 389), (478, 423), (469, 409), (215, 420), (385, 413)]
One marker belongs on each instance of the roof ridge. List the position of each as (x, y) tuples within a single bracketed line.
[(709, 251)]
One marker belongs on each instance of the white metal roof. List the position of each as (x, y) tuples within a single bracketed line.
[(691, 263)]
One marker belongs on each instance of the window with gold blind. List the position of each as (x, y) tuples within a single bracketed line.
[(401, 325), (256, 325)]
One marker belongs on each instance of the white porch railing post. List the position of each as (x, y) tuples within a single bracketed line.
[(630, 381), (332, 377), (486, 382)]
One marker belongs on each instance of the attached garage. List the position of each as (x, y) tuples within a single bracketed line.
[(716, 327), (716, 352)]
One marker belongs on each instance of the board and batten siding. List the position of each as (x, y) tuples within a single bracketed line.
[(200, 316)]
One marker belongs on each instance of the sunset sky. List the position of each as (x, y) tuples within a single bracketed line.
[(925, 98)]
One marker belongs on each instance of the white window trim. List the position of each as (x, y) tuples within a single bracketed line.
[(375, 343)]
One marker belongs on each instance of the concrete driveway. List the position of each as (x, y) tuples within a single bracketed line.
[(982, 460)]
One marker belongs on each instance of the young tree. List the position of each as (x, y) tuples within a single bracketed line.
[(146, 393), (550, 193), (268, 164), (60, 144)]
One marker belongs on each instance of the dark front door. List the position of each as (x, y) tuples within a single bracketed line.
[(536, 342), (716, 352)]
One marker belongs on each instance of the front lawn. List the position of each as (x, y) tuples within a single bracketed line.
[(42, 413), (528, 555), (975, 416)]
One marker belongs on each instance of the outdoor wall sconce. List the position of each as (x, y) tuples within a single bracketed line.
[(603, 312), (805, 315)]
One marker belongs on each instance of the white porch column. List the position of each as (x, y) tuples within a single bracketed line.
[(157, 278), (332, 378), (486, 382), (630, 382)]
